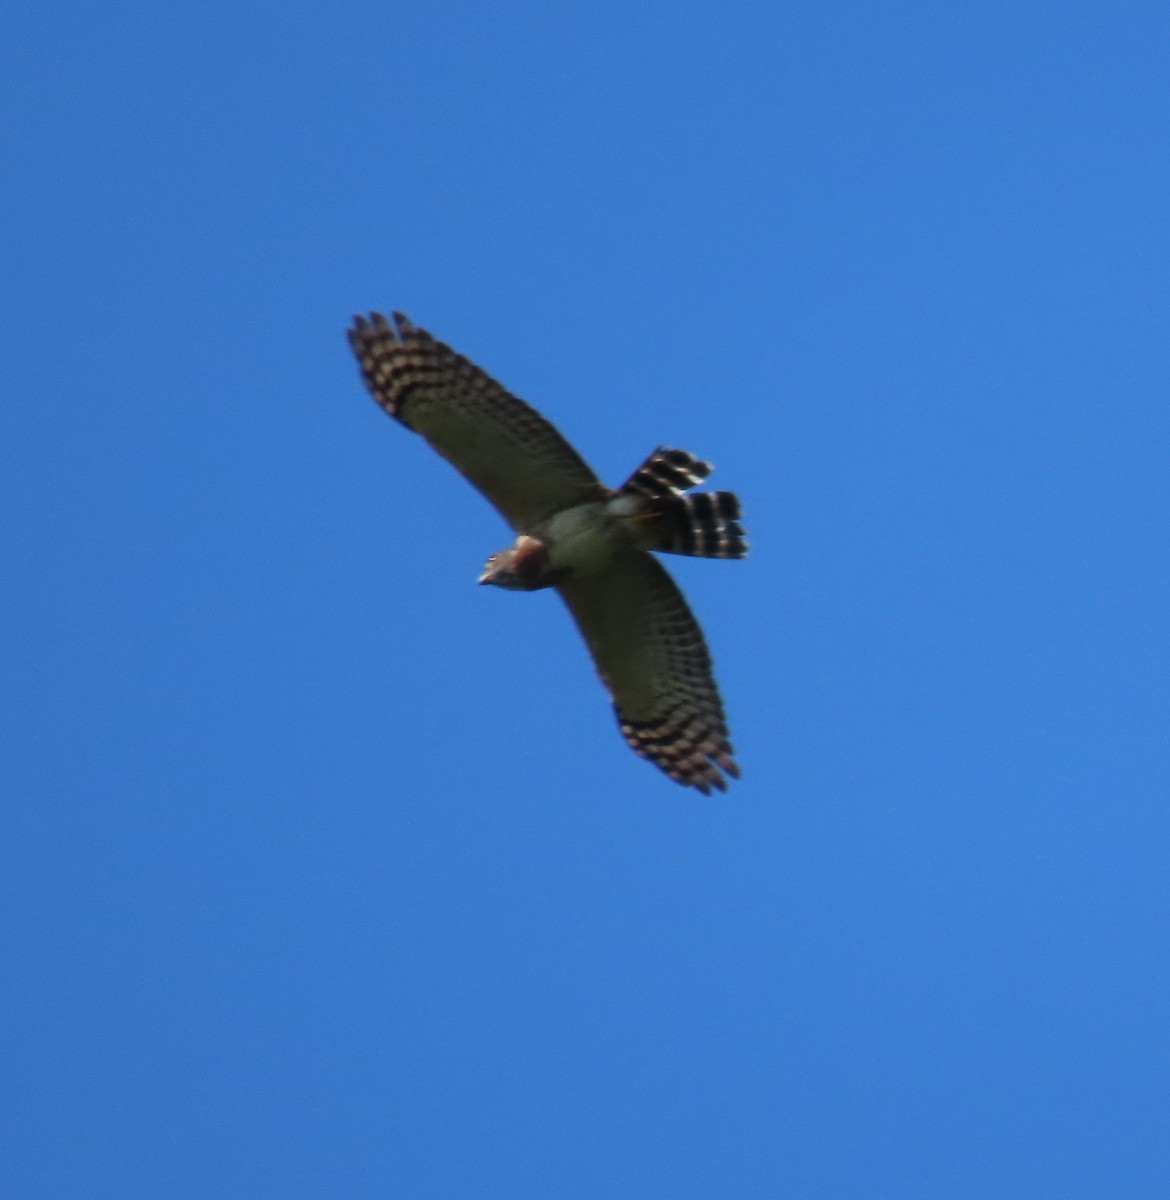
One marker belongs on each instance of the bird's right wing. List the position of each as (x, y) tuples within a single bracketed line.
[(503, 447), (650, 653)]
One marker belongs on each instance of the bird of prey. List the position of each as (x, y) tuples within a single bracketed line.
[(590, 542)]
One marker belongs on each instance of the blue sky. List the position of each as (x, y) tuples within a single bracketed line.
[(325, 872)]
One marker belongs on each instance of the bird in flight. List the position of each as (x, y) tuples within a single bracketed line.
[(590, 542)]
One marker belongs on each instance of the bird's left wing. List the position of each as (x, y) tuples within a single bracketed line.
[(502, 446), (650, 653)]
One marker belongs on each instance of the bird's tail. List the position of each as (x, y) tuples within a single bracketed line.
[(705, 524), (667, 473)]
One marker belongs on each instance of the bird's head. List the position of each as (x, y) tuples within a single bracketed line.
[(523, 567)]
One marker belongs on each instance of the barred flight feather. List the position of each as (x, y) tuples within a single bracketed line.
[(651, 654), (685, 746), (501, 445), (666, 473), (705, 525)]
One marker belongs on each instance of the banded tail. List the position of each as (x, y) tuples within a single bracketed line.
[(705, 524)]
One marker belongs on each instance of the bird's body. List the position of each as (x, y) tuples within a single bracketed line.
[(590, 542), (576, 542), (585, 539)]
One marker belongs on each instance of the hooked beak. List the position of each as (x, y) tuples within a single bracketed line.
[(484, 578)]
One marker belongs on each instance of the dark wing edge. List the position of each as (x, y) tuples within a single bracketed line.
[(501, 445), (651, 655)]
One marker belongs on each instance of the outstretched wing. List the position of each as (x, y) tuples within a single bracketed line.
[(501, 445), (650, 653)]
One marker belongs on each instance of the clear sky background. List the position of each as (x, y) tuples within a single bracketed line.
[(326, 873)]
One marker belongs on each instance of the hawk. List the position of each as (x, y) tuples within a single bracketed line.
[(590, 542)]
